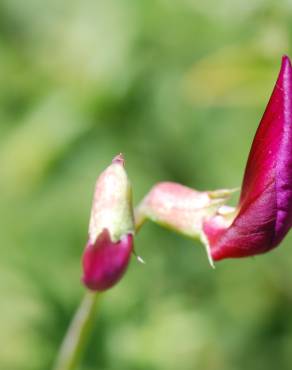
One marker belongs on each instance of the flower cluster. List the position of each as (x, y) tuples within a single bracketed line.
[(260, 221)]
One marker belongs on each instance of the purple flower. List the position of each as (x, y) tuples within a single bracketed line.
[(264, 213), (108, 250)]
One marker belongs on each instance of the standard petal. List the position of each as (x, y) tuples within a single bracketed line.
[(265, 207)]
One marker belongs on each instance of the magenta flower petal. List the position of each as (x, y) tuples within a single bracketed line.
[(265, 207), (105, 262)]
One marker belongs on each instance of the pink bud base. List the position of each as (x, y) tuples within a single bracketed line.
[(105, 262)]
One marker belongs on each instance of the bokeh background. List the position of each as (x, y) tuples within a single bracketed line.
[(179, 87)]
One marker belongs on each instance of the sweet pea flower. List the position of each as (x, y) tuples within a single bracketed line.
[(111, 229), (264, 212)]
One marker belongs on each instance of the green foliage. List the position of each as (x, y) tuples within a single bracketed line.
[(178, 87)]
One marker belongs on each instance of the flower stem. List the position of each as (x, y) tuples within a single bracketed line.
[(79, 330), (76, 337)]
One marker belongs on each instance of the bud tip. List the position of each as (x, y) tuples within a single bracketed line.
[(119, 159)]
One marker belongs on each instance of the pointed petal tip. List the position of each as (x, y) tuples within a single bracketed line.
[(119, 159), (286, 66), (286, 59)]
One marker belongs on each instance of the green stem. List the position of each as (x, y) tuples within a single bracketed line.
[(76, 337)]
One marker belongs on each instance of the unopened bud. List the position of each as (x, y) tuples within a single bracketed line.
[(108, 251)]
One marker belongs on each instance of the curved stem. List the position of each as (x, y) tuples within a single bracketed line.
[(76, 337)]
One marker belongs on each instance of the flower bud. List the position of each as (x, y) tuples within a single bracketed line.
[(111, 229), (264, 213)]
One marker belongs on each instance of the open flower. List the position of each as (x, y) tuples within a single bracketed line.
[(264, 213), (108, 250)]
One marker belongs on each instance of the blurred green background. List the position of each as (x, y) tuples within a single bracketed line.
[(179, 87)]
